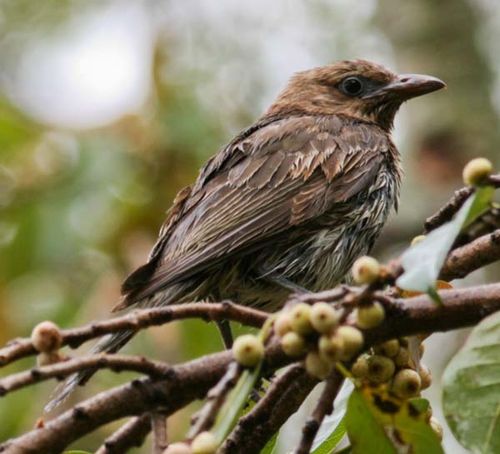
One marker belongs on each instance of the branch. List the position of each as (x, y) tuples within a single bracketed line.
[(190, 381), (421, 315), (131, 434), (474, 255), (323, 408), (448, 210), (283, 398), (140, 319), (159, 426), (454, 204), (116, 363), (214, 401)]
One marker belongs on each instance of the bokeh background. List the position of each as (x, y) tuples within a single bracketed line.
[(109, 107)]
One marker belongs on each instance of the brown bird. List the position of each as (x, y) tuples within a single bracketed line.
[(290, 202)]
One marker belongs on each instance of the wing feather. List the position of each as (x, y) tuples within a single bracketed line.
[(284, 174)]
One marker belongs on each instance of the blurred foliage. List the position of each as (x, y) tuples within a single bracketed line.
[(81, 209)]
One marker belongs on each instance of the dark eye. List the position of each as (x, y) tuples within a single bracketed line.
[(352, 86)]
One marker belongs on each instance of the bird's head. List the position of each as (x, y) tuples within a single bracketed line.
[(355, 88)]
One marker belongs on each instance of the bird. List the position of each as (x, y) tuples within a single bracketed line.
[(289, 203)]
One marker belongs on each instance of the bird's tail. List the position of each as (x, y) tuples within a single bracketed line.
[(109, 344), (113, 342)]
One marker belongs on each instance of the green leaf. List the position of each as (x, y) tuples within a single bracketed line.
[(417, 433), (77, 452), (378, 411), (331, 442), (270, 447), (365, 432), (332, 422), (230, 411), (423, 261), (471, 389), (481, 203), (420, 404)]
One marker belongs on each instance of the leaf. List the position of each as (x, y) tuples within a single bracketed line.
[(471, 389), (481, 203), (406, 418), (270, 447), (417, 433), (76, 452), (365, 432), (228, 414), (420, 404), (331, 422), (331, 442), (423, 261)]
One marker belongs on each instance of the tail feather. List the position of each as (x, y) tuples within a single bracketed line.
[(114, 342), (110, 344)]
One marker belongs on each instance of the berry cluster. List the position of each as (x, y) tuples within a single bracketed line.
[(316, 330)]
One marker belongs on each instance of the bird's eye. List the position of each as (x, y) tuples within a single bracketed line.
[(352, 86)]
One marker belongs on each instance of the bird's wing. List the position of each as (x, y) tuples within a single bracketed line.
[(282, 175)]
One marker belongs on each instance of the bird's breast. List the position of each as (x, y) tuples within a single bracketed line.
[(321, 259)]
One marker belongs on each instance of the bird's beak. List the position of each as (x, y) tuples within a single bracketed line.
[(407, 86)]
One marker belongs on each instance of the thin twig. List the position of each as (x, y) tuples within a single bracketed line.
[(205, 418), (116, 363), (140, 319), (454, 204), (323, 408), (447, 211), (159, 429), (328, 296), (131, 434)]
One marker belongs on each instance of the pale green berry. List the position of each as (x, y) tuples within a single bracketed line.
[(406, 383), (282, 324), (360, 367), (425, 376), (365, 270), (330, 347), (317, 367), (352, 340), (402, 359), (324, 317), (388, 348), (248, 350), (476, 171), (178, 448), (300, 319), (293, 344), (204, 443), (370, 316), (380, 369)]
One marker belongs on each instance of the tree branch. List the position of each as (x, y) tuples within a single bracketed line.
[(448, 211), (283, 398), (114, 362), (404, 317), (140, 319), (474, 255), (131, 434), (323, 408), (159, 429), (214, 400)]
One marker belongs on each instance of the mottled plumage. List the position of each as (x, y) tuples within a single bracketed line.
[(290, 202)]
